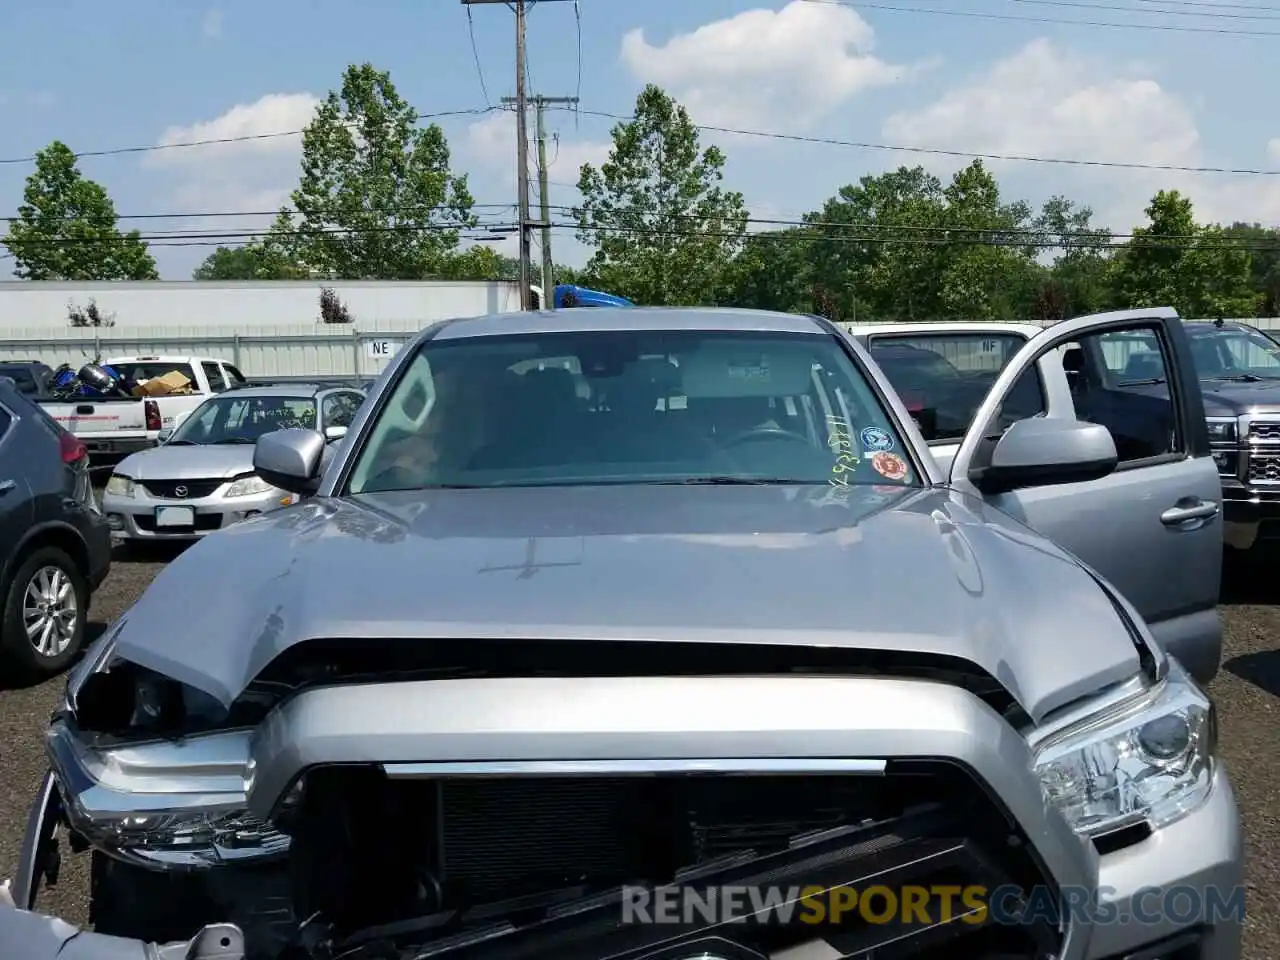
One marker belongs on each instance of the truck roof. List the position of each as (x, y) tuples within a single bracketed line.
[(162, 358), (602, 319), (1027, 330)]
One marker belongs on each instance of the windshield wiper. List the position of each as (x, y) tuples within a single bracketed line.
[(1151, 382), (1238, 377), (181, 443), (734, 481), (233, 441)]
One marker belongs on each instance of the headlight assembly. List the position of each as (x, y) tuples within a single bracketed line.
[(1222, 430), (248, 487), (1147, 759), (179, 804), (120, 486)]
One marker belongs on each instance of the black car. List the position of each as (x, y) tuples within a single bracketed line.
[(55, 545)]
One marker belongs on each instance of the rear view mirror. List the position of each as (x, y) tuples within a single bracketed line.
[(164, 435), (1039, 452), (290, 459)]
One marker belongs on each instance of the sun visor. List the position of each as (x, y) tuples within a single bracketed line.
[(743, 371)]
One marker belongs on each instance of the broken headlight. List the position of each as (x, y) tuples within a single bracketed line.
[(1148, 759)]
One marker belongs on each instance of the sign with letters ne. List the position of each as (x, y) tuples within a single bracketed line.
[(381, 349)]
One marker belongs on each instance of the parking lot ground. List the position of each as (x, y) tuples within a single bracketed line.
[(1247, 693)]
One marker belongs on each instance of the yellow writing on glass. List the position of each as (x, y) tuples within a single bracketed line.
[(840, 441)]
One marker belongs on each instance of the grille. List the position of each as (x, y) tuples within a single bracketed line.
[(1264, 469), (167, 489), (1269, 432)]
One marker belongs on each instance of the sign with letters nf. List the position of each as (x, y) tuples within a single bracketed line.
[(381, 349)]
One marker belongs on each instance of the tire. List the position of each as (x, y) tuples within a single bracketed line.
[(45, 566)]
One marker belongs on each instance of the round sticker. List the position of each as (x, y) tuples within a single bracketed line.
[(889, 465), (874, 438)]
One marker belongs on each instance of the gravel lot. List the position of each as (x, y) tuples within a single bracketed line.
[(1247, 693)]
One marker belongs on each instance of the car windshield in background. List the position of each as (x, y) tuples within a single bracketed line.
[(630, 407), (1235, 353), (943, 378), (243, 419), (150, 369), (23, 377)]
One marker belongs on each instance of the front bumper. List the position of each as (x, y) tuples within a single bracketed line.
[(1250, 514), (137, 518), (1195, 865)]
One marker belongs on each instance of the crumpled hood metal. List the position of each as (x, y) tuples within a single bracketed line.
[(916, 570), (197, 462)]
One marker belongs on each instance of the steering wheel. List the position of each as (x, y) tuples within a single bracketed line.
[(757, 434)]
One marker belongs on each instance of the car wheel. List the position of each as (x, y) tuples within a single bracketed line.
[(44, 614)]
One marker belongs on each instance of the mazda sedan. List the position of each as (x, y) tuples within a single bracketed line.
[(201, 477)]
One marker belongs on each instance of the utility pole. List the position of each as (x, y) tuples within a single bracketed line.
[(544, 199), (522, 145)]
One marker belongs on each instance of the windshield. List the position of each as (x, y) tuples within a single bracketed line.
[(1235, 352), (944, 377), (631, 407), (242, 419)]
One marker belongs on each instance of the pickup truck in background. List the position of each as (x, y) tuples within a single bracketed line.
[(944, 370), (115, 427)]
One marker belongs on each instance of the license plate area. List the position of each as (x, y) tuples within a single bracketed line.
[(175, 517)]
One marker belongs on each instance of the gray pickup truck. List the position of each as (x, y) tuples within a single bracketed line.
[(660, 634)]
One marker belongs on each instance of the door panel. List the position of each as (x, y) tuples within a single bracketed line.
[(1153, 527)]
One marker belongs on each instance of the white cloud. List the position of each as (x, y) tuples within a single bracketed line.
[(255, 173), (764, 67), (1046, 101), (211, 25)]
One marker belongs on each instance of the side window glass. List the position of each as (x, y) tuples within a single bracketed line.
[(237, 378), (1129, 394), (1131, 356), (216, 383), (5, 421)]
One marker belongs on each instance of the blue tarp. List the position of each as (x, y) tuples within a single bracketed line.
[(567, 295)]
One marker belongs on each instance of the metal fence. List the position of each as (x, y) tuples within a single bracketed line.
[(301, 352)]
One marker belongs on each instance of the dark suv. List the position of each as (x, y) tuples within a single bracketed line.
[(55, 546)]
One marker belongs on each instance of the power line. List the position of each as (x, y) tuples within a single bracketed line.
[(939, 151), (1010, 17), (744, 132), (205, 215), (475, 54), (1149, 12), (243, 138)]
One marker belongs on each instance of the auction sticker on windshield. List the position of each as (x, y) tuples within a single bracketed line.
[(889, 465), (875, 439)]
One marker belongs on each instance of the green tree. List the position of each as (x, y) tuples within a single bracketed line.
[(376, 199), (1176, 262), (901, 246), (772, 271), (663, 229), (1265, 263), (479, 263), (67, 228), (253, 261), (1079, 279)]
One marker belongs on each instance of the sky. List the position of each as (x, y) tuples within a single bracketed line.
[(1180, 83)]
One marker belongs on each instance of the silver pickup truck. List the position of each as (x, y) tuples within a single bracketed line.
[(660, 634)]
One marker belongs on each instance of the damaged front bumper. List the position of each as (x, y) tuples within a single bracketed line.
[(32, 936)]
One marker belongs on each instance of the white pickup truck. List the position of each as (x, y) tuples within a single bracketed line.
[(117, 426)]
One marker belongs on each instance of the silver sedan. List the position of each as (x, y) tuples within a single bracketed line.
[(201, 478)]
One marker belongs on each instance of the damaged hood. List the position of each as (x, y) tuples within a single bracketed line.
[(929, 571)]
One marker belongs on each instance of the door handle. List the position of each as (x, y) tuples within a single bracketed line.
[(6, 486), (1194, 510)]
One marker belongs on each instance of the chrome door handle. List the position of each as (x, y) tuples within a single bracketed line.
[(7, 485), (1197, 510)]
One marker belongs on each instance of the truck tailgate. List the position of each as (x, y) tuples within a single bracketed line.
[(105, 426)]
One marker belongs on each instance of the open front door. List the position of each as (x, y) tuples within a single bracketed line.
[(1152, 527)]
